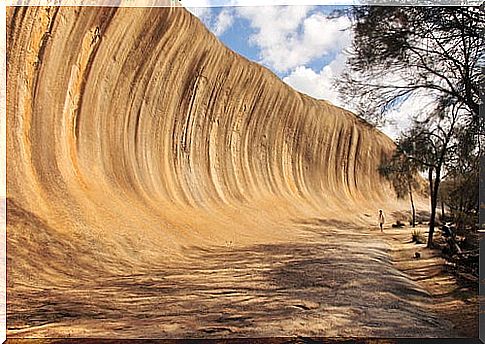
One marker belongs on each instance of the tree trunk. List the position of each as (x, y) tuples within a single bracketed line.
[(412, 205), (434, 203), (432, 222), (414, 212), (431, 219)]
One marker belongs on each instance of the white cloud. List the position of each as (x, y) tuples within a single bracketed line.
[(291, 36), (288, 2), (401, 117), (318, 84), (203, 13), (223, 21), (217, 24), (286, 36), (199, 8)]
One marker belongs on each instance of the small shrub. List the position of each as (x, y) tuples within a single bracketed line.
[(418, 237)]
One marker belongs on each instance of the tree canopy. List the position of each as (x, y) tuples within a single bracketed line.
[(433, 57), (402, 52)]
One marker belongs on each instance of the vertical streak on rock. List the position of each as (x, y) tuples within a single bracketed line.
[(139, 122)]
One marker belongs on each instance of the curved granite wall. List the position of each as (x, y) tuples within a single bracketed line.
[(135, 133)]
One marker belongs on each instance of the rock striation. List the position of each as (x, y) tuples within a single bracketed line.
[(134, 135)]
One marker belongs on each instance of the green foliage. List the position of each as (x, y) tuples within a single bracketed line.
[(406, 53), (428, 144), (460, 193), (432, 51), (402, 172)]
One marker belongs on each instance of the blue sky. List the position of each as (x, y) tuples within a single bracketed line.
[(303, 45), (300, 44), (240, 29)]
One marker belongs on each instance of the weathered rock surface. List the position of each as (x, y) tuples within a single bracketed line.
[(161, 185), (134, 133)]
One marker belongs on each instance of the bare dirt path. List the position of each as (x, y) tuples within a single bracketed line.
[(336, 280), (452, 297)]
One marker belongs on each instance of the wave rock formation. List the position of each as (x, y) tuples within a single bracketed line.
[(134, 135)]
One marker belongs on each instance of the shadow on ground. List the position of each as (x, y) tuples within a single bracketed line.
[(336, 281)]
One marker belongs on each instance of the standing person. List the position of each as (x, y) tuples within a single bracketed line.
[(382, 219)]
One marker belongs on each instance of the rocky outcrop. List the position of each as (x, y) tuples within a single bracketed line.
[(135, 133)]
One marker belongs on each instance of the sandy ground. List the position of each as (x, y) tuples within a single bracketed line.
[(335, 281), (128, 142), (452, 298)]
